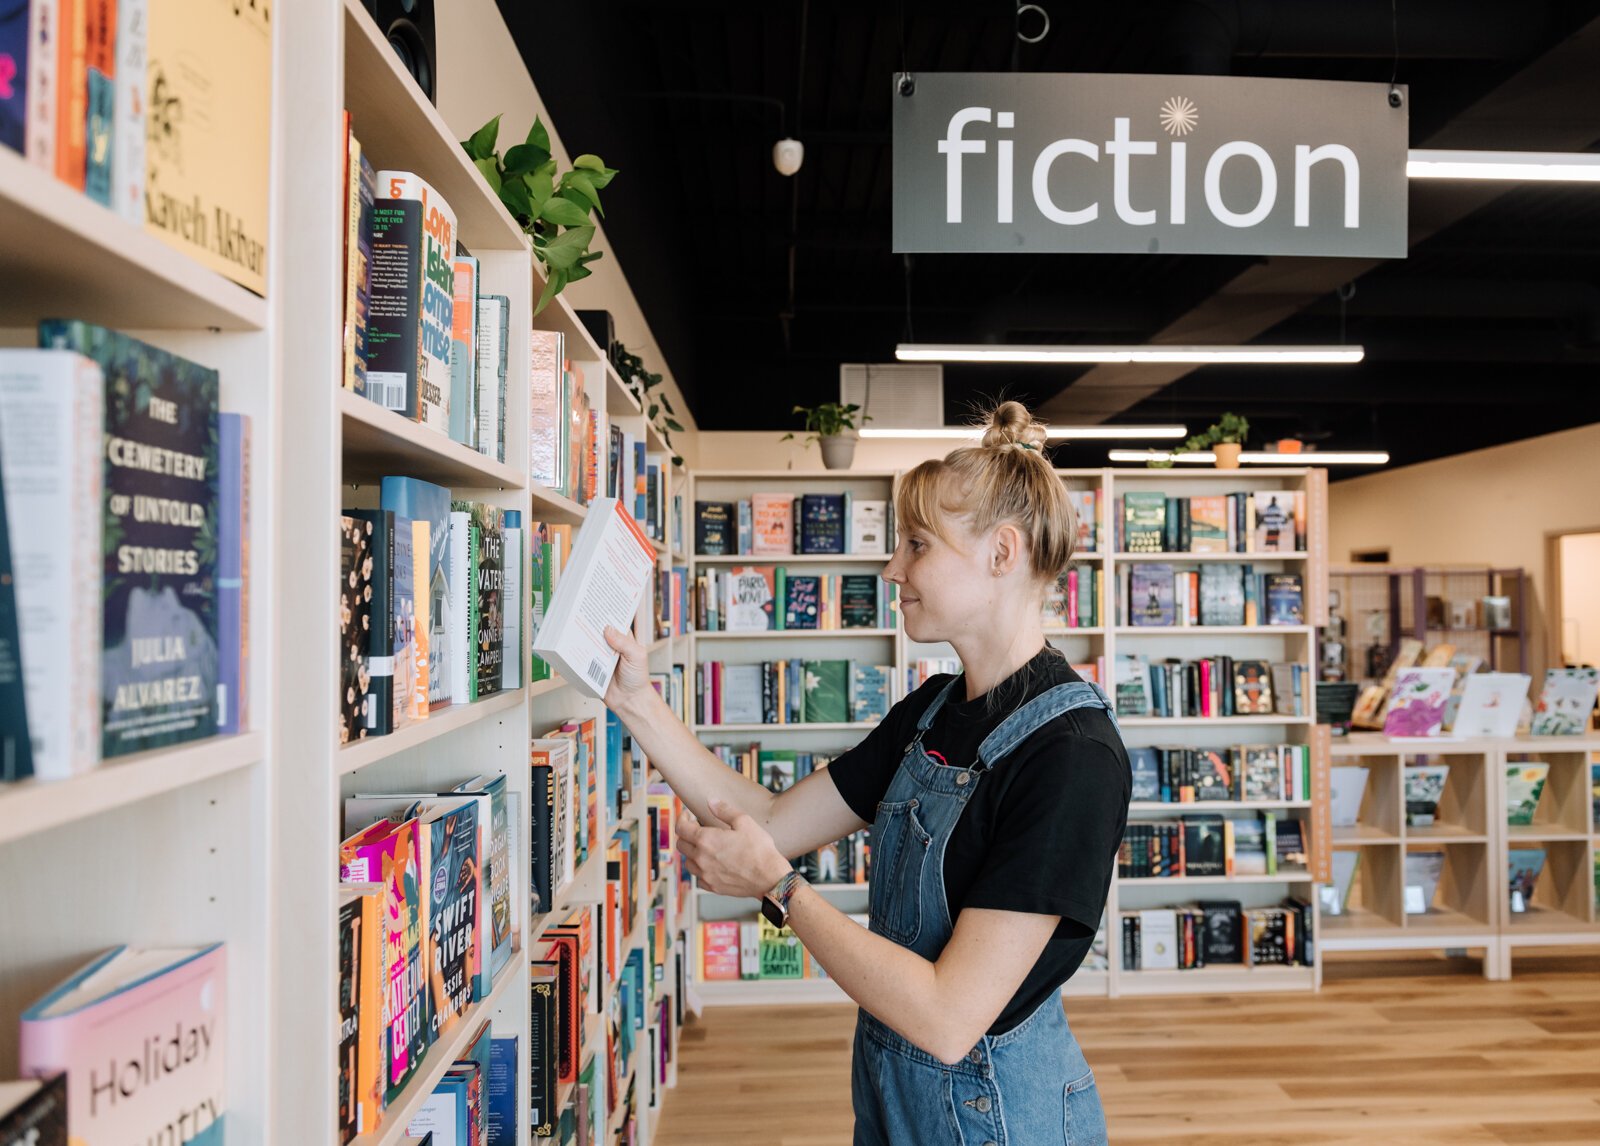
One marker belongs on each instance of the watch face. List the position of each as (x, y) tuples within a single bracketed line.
[(772, 911)]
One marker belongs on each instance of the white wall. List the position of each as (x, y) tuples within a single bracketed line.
[(1495, 506), (762, 450), (1580, 599)]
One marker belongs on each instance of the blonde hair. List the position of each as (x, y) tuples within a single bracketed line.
[(1006, 478)]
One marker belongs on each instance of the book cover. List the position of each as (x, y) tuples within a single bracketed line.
[(360, 1002), (543, 1022), (1132, 685), (1249, 847), (16, 748), (464, 360), (42, 88), (1285, 599), (1263, 774), (802, 601), (209, 132), (860, 603), (1222, 594), (72, 91), (1152, 596), (160, 1015), (869, 692), (1274, 516), (378, 614), (1524, 785), (1252, 688), (428, 507), (1146, 768), (1222, 933), (1523, 868), (750, 598), (611, 567), (444, 1115), (491, 346), (410, 689), (489, 584), (772, 516), (1424, 785), (551, 762), (821, 523), (869, 527), (1416, 705), (461, 570), (1213, 775), (450, 831), (511, 602), (394, 305), (355, 628), (741, 695), (827, 685), (500, 1093), (1348, 787), (433, 273), (233, 568), (14, 77), (1567, 701), (1086, 515), (1208, 524), (158, 672), (494, 850), (781, 955), (33, 1112), (713, 528), (355, 367), (1144, 522), (100, 72), (544, 407), (1423, 870), (1158, 939)]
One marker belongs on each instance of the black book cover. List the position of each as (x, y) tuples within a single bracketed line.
[(1213, 778), (543, 1019), (350, 939), (1204, 846), (1223, 935), (394, 305), (489, 536), (40, 1119), (822, 515), (713, 528), (355, 627), (858, 600), (379, 524), (16, 749)]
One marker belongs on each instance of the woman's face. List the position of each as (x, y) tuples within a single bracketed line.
[(943, 586)]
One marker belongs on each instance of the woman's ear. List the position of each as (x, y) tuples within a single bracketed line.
[(1008, 550)]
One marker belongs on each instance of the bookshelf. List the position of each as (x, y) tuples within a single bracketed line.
[(1089, 643)]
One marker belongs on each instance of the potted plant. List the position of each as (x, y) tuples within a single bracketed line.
[(1225, 438), (833, 428)]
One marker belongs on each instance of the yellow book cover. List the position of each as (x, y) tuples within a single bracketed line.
[(208, 129)]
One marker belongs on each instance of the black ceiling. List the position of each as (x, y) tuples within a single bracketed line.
[(757, 287)]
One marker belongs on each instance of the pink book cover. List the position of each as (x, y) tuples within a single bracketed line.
[(1416, 706), (142, 1038), (1072, 598), (773, 514)]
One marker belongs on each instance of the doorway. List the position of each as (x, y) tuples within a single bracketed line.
[(1574, 637)]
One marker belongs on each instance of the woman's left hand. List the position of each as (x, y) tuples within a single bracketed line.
[(731, 854)]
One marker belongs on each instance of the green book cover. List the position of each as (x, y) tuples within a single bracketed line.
[(1144, 522), (1524, 784), (782, 957), (827, 692)]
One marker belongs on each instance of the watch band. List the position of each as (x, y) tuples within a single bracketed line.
[(785, 888)]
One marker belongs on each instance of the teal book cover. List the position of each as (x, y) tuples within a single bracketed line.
[(159, 657), (827, 686), (424, 501), (16, 749)]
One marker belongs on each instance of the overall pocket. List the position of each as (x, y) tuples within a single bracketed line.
[(1085, 1118), (900, 847)]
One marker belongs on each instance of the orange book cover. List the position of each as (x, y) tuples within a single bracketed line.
[(370, 1036), (72, 94), (773, 517)]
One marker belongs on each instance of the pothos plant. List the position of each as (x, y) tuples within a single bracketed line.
[(553, 212), (640, 382), (1229, 427), (828, 420)]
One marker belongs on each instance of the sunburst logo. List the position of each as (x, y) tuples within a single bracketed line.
[(1179, 115)]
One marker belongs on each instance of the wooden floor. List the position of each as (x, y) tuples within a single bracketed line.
[(1389, 1052)]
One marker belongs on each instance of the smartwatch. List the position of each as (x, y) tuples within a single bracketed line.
[(775, 904)]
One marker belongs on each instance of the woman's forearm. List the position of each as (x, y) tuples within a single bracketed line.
[(695, 774)]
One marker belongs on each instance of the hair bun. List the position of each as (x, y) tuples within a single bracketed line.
[(1010, 424)]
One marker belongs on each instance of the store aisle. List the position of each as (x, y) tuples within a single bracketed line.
[(1428, 1051)]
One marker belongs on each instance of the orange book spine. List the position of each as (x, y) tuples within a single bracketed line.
[(72, 94)]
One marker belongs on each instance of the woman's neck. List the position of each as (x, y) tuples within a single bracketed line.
[(990, 658)]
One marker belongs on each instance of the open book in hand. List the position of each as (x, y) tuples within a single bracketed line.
[(603, 583)]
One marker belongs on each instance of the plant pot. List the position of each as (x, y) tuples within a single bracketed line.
[(1227, 455), (839, 450)]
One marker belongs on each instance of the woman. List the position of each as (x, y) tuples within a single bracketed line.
[(997, 801)]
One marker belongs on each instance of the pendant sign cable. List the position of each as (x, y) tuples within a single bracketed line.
[(1008, 161)]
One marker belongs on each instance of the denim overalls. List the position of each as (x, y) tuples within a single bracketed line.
[(1028, 1087)]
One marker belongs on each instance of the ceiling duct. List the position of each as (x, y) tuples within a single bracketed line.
[(899, 396)]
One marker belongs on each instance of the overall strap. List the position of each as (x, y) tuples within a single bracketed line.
[(926, 722), (1038, 712)]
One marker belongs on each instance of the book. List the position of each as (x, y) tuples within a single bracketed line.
[(100, 74), (1086, 516), (781, 955), (1524, 785), (355, 628), (464, 358), (1158, 939), (1273, 511), (158, 670), (111, 1011), (1222, 934), (612, 563), (413, 314), (1424, 784), (719, 950), (827, 689), (1422, 872), (772, 515), (410, 658), (1208, 524), (1335, 895), (1144, 522), (355, 365), (1250, 844), (51, 426), (713, 528), (489, 608), (491, 348), (1131, 685), (461, 571), (1285, 599), (14, 67), (544, 407), (1205, 850), (448, 831), (233, 573), (1567, 701), (1151, 596), (1222, 594), (494, 883), (1490, 704), (861, 605), (543, 1020), (377, 616), (33, 1112), (551, 759), (210, 167), (1348, 786), (500, 1093), (428, 505), (72, 93), (1146, 774), (16, 747), (360, 1001), (1523, 868), (802, 602), (511, 601), (1252, 688), (820, 523), (869, 527), (869, 692), (1417, 702)]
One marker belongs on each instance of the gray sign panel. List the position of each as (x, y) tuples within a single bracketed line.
[(1182, 164)]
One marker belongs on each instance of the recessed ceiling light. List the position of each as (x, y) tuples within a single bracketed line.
[(1260, 457), (1055, 432), (1238, 355), (1528, 166)]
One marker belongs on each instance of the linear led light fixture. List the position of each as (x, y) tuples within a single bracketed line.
[(1238, 355), (1055, 432), (1526, 166), (1260, 457)]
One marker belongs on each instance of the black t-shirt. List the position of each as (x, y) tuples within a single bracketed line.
[(1041, 832)]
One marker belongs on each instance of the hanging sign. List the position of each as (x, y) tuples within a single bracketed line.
[(989, 162)]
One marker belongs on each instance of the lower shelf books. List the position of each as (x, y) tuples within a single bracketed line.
[(1209, 845), (1253, 773), (109, 1012), (457, 1112), (792, 692), (566, 807), (1210, 687), (1216, 933), (1162, 596)]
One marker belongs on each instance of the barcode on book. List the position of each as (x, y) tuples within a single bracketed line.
[(387, 388), (597, 673)]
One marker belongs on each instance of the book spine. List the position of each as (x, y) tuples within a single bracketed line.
[(72, 96), (100, 79), (232, 547), (352, 249), (458, 604), (128, 144), (380, 658), (394, 309), (511, 644), (39, 137), (491, 323), (434, 270), (466, 320)]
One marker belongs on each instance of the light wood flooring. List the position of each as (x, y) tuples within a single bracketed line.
[(1413, 1051)]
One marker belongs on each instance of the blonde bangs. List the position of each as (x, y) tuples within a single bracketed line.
[(919, 502)]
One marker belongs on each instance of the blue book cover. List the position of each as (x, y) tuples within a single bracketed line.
[(803, 603), (16, 750), (1152, 594), (233, 434), (822, 523), (1285, 599), (102, 120), (869, 692), (424, 501), (446, 1113), (452, 914), (640, 488), (14, 70), (496, 878), (501, 1103), (613, 762), (1146, 774), (158, 673)]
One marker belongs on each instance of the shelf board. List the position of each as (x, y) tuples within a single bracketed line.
[(1088, 556), (550, 684), (1214, 630), (1217, 979), (766, 728), (33, 805), (1449, 920), (1179, 558), (1549, 921), (1180, 880), (769, 992), (1359, 834), (1182, 721), (1444, 834), (1081, 631), (796, 475), (790, 559), (791, 634), (1543, 833), (1356, 925), (1215, 805), (79, 259), (441, 1056), (361, 753), (400, 129), (658, 644), (379, 442)]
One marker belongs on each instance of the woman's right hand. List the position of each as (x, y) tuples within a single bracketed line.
[(631, 680)]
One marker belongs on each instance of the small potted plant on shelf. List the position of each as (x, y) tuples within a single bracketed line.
[(1225, 438), (833, 427)]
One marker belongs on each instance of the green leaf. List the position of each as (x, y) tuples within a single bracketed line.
[(522, 159), (578, 272), (579, 181), (673, 426), (540, 188), (564, 212), (589, 162), (563, 251), (654, 410), (490, 170), (538, 136), (592, 256), (601, 178), (481, 145), (515, 196), (552, 287)]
